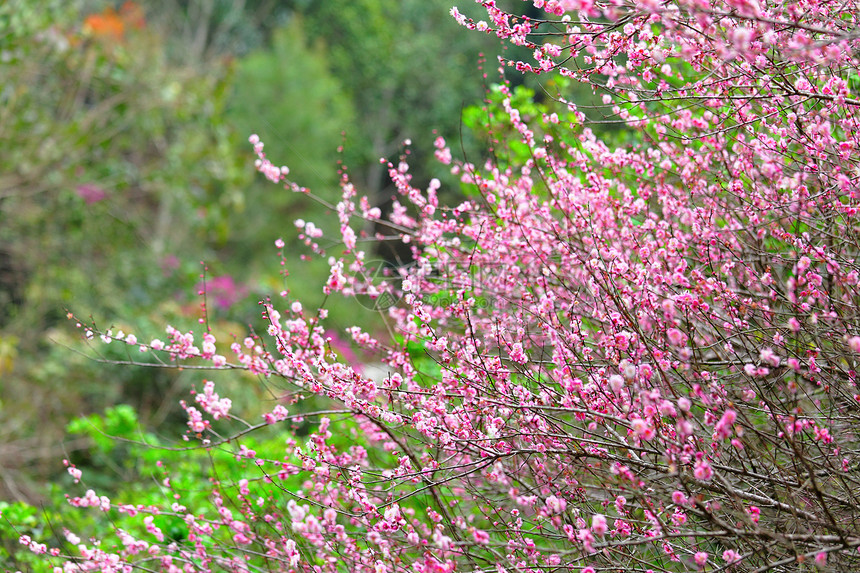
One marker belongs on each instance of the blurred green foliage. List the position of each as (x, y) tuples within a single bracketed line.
[(409, 69), (286, 95), (119, 174)]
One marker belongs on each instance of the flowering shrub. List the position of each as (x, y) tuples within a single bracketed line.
[(646, 356)]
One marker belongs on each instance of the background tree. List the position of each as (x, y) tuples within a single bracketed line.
[(287, 93), (109, 174), (407, 69)]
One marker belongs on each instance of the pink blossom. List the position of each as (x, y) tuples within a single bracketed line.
[(278, 414), (702, 470), (598, 524), (821, 559), (587, 539), (676, 337), (149, 521), (754, 513), (212, 403), (91, 193), (481, 537), (767, 355), (723, 428), (643, 429), (517, 354), (555, 505), (223, 291), (731, 556), (604, 320), (75, 473)]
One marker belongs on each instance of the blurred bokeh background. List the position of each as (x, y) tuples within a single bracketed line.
[(124, 163)]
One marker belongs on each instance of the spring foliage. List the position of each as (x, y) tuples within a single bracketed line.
[(630, 356)]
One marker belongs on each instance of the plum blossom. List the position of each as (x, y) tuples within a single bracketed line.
[(598, 524), (555, 505), (608, 319), (702, 470)]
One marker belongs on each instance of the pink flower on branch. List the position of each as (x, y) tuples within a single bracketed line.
[(652, 327)]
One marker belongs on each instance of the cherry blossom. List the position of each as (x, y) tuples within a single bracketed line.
[(646, 349)]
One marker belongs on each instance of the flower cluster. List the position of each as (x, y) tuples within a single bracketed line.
[(666, 378)]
